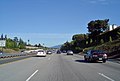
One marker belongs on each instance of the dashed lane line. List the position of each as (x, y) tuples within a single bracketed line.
[(32, 75), (106, 77)]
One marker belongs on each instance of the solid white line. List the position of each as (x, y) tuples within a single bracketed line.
[(32, 75), (106, 77)]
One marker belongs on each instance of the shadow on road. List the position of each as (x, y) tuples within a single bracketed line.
[(38, 56), (83, 61)]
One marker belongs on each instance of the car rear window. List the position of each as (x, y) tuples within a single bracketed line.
[(40, 51)]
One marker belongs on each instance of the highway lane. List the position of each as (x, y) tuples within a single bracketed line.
[(59, 67)]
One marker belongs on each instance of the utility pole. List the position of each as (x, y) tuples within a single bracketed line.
[(28, 41)]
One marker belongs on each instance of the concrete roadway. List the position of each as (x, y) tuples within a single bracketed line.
[(59, 67)]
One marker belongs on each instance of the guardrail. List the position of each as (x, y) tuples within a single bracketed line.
[(16, 55)]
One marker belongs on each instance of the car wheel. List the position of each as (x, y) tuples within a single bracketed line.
[(104, 61), (85, 59), (90, 60)]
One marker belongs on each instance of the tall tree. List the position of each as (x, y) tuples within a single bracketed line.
[(5, 37), (2, 37), (10, 43), (15, 39), (98, 26), (79, 37), (21, 44)]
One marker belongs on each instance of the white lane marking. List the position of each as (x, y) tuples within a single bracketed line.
[(106, 76), (32, 75)]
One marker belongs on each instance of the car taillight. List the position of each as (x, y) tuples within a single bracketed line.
[(105, 55), (95, 55)]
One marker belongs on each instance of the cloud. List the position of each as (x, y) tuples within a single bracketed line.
[(104, 2), (93, 1)]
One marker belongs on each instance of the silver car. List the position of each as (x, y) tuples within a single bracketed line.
[(69, 52)]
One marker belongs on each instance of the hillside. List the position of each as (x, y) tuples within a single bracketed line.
[(57, 46), (112, 48), (109, 41)]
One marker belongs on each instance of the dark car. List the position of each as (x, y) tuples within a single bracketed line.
[(49, 52), (64, 51), (95, 55), (1, 52), (58, 52)]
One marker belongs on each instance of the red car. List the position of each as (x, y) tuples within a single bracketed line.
[(95, 55)]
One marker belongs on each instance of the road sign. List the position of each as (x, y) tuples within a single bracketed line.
[(2, 43)]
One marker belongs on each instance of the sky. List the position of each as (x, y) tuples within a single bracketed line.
[(53, 22)]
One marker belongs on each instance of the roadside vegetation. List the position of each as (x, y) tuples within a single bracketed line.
[(98, 37), (12, 45), (16, 45)]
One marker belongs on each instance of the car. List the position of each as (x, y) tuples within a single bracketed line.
[(69, 52), (49, 52), (64, 51), (41, 53), (1, 52), (95, 55), (58, 52)]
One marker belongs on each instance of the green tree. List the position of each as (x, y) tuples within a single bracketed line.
[(10, 43), (79, 37), (15, 39), (66, 46), (95, 28), (15, 42), (5, 37), (22, 44), (98, 26)]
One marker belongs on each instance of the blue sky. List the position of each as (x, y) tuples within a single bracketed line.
[(53, 22)]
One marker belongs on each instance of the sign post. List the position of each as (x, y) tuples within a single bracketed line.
[(2, 44)]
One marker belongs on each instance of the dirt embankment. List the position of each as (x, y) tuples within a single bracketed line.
[(11, 51)]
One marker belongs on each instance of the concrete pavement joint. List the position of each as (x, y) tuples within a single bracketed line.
[(106, 76)]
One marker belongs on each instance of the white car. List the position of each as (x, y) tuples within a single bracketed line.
[(41, 53), (69, 52)]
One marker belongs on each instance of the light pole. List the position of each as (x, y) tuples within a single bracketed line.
[(28, 41)]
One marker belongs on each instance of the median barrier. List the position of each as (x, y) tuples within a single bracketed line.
[(17, 55)]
